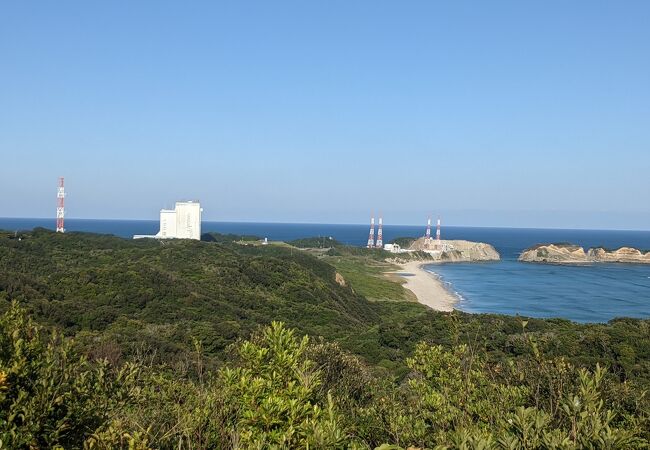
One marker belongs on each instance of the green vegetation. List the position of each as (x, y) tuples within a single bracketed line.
[(164, 294), (368, 278), (404, 242), (283, 392), (316, 242), (118, 297), (143, 347), (375, 254), (227, 238)]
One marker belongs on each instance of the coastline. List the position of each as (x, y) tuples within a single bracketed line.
[(427, 287)]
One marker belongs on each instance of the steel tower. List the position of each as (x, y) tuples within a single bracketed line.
[(380, 234), (371, 237), (60, 207)]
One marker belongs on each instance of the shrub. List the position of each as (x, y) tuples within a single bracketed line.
[(50, 396)]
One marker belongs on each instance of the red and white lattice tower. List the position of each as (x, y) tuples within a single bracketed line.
[(427, 235), (60, 207), (380, 234), (438, 231), (371, 237)]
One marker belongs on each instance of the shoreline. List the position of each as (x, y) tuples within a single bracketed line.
[(427, 287)]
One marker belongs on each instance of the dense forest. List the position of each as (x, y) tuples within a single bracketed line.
[(110, 343)]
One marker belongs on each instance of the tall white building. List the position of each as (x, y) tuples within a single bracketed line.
[(182, 222), (167, 224)]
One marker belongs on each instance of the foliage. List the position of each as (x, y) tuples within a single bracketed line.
[(404, 242), (227, 238), (316, 242), (369, 278), (273, 395), (376, 254), (121, 297), (281, 391), (454, 389), (49, 395), (156, 319), (163, 294)]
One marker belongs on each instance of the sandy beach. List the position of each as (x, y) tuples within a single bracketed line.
[(427, 287)]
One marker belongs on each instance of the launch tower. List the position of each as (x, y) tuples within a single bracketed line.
[(371, 236), (380, 234), (60, 207)]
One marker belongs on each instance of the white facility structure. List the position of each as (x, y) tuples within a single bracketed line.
[(182, 222)]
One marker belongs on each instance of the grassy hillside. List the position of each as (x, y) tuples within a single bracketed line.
[(369, 278), (316, 242), (164, 293), (151, 365), (120, 296)]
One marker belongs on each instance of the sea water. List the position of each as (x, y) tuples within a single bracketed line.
[(585, 293), (590, 293)]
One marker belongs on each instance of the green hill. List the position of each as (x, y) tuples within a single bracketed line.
[(165, 293), (316, 242), (152, 365)]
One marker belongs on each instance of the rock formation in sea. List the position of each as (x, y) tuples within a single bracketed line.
[(456, 250), (574, 254)]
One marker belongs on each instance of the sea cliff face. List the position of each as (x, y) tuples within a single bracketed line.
[(622, 255), (574, 254), (456, 250)]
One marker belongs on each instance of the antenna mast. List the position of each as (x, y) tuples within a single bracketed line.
[(60, 207)]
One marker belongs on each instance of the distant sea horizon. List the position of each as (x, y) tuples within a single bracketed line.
[(591, 293), (51, 223)]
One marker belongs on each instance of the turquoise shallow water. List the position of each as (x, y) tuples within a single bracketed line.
[(595, 293)]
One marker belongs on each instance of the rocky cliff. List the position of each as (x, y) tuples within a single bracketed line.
[(574, 254), (456, 250), (622, 255)]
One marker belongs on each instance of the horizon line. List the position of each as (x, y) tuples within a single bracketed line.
[(53, 219)]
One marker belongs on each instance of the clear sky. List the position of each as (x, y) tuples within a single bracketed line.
[(489, 113)]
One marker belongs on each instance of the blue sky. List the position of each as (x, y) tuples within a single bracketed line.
[(500, 113)]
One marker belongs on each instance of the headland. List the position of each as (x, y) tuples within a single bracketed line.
[(441, 250)]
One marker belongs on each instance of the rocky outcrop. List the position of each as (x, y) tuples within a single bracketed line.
[(456, 250), (622, 255), (555, 254), (574, 254)]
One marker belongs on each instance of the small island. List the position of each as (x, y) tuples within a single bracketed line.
[(564, 253)]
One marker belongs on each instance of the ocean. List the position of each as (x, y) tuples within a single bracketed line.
[(591, 293)]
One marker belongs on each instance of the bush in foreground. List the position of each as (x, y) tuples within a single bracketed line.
[(281, 391)]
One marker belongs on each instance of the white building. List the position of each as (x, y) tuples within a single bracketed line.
[(393, 248), (167, 224), (182, 222)]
